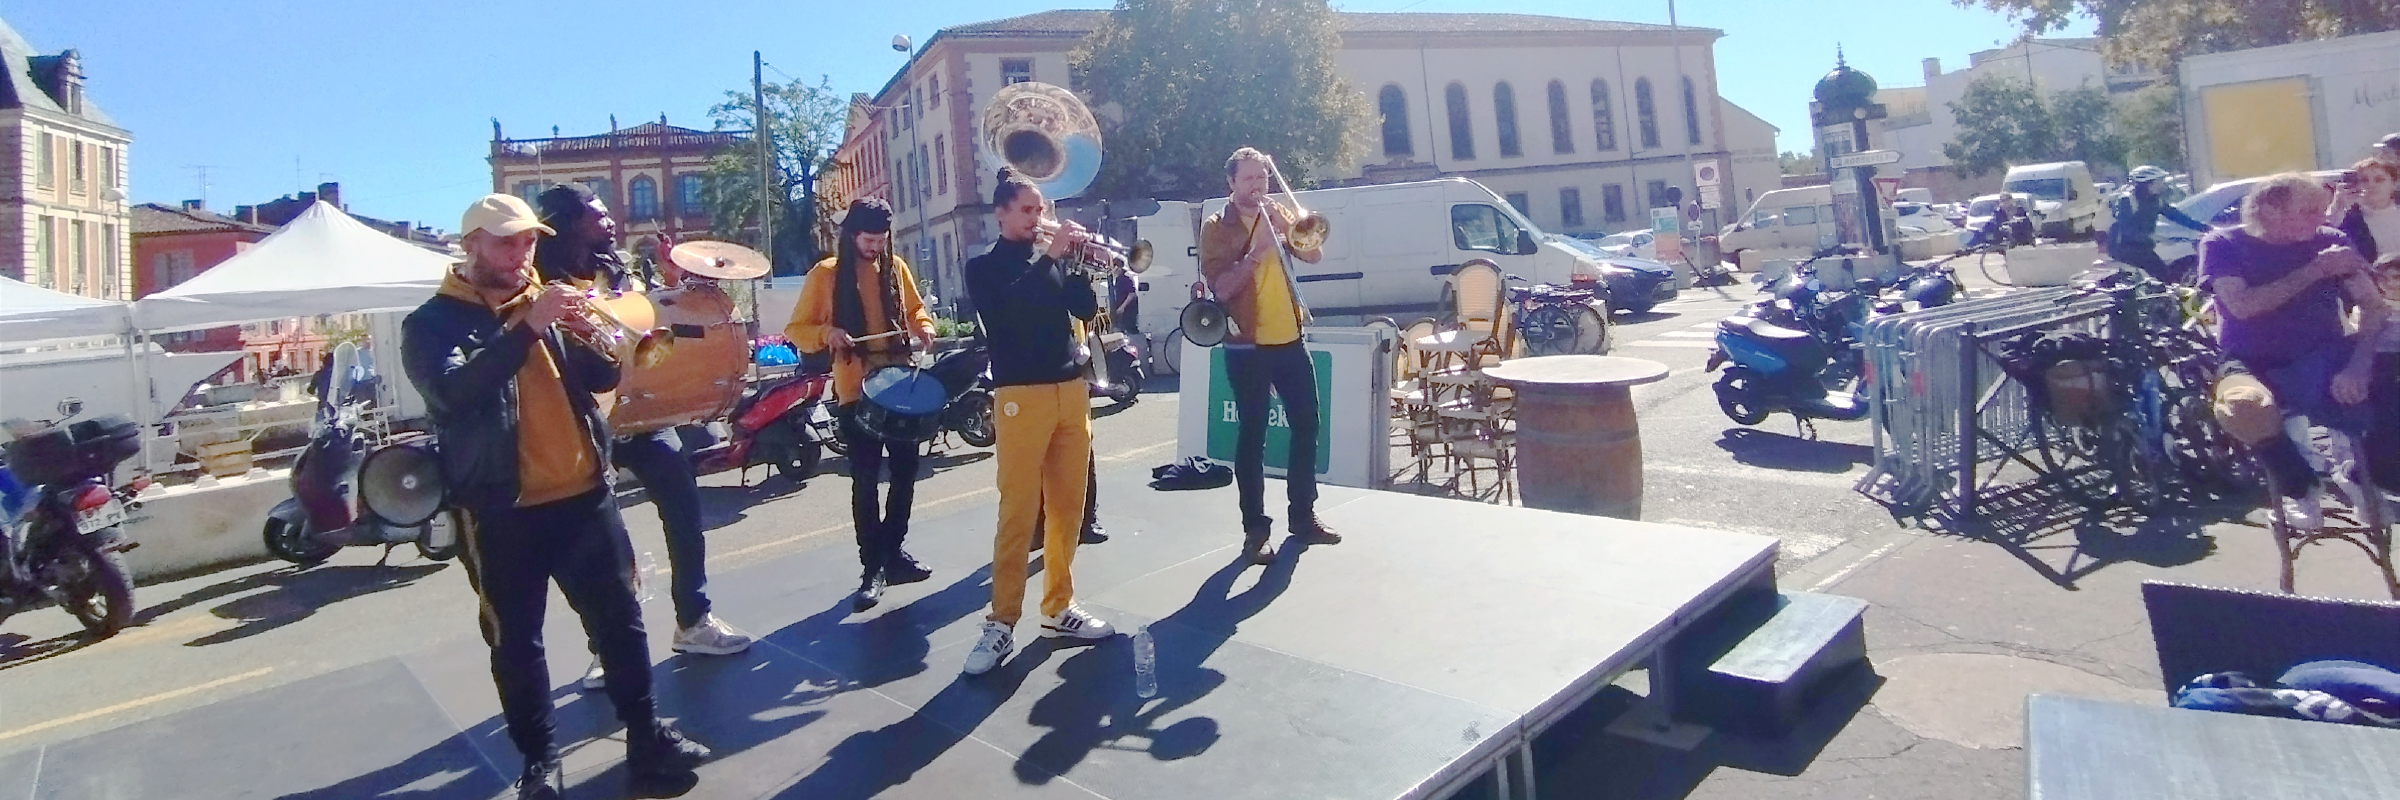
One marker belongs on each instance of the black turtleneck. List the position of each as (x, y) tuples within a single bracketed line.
[(1022, 304)]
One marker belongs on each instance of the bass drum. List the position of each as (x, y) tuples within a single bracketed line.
[(902, 405), (700, 380)]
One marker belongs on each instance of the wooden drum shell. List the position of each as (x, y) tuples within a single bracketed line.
[(700, 380)]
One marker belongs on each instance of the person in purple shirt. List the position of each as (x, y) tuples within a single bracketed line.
[(2280, 279)]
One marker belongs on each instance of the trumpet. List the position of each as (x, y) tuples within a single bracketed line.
[(1099, 255), (606, 332)]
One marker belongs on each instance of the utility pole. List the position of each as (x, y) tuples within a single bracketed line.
[(1675, 40), (762, 131)]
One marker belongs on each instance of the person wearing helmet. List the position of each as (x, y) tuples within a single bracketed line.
[(2136, 212)]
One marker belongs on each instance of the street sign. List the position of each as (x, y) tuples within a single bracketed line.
[(1865, 158), (1888, 189)]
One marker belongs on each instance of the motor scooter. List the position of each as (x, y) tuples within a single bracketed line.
[(1118, 372), (787, 423), (348, 490), (62, 536)]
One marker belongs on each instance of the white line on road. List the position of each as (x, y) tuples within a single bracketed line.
[(1655, 343), (1757, 474), (1690, 334), (161, 697), (1853, 566)]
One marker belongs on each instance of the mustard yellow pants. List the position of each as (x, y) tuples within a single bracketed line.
[(1045, 439)]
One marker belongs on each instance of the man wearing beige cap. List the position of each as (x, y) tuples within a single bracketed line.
[(524, 449)]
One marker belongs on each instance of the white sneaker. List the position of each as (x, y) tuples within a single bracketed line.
[(999, 639), (711, 637), (2305, 513), (1073, 623), (595, 679)]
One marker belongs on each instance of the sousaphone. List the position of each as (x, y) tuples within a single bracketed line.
[(1046, 134)]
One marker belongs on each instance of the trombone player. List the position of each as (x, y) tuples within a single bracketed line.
[(1244, 258)]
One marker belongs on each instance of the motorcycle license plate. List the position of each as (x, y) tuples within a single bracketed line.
[(113, 513)]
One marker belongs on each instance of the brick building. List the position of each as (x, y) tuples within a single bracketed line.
[(64, 222), (649, 175)]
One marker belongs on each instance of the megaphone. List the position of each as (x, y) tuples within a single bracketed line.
[(403, 484), (1205, 322)]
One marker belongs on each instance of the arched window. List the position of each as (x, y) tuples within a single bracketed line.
[(687, 196), (1392, 104), (1562, 132), (1462, 128), (1504, 109), (1691, 111), (1604, 117), (1645, 113), (641, 198)]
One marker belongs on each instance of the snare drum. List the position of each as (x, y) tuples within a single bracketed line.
[(902, 404)]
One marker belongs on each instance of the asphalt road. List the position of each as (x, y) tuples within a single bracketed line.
[(246, 629)]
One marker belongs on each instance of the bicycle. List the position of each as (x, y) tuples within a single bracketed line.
[(1553, 320)]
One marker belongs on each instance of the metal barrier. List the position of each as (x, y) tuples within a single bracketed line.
[(1942, 404)]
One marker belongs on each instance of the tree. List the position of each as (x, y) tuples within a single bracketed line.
[(2001, 120), (2159, 33), (2150, 121), (1801, 163), (1179, 84), (807, 125), (2082, 118)]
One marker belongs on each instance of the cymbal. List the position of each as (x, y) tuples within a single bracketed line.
[(723, 261)]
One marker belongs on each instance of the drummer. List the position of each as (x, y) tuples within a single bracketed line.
[(584, 254), (865, 290)]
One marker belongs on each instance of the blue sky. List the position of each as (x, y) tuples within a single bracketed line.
[(394, 100)]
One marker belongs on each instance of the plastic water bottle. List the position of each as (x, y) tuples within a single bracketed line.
[(1145, 664), (645, 577)]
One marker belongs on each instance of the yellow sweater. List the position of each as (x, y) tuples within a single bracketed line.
[(812, 319), (555, 460)]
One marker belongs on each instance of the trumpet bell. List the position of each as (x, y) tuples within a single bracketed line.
[(654, 348), (1310, 231)]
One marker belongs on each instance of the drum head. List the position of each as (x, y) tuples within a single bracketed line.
[(402, 483), (905, 392), (1204, 323)]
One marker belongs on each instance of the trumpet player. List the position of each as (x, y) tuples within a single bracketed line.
[(865, 290), (1027, 300), (524, 446), (1244, 258), (583, 254)]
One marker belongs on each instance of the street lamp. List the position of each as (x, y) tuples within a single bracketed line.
[(901, 43)]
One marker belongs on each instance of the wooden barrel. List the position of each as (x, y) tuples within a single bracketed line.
[(1579, 447)]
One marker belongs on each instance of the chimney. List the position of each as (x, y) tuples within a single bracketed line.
[(247, 214), (612, 123), (331, 193), (1933, 69), (195, 205), (307, 199)]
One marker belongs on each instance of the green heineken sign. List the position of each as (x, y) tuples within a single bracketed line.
[(1223, 418)]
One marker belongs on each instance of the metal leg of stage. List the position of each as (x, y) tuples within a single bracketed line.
[(1652, 719)]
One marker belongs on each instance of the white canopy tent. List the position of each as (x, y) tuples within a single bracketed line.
[(30, 313), (324, 262)]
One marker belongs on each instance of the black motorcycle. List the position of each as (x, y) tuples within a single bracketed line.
[(65, 542), (966, 376)]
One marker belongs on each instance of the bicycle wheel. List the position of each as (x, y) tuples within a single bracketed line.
[(1548, 331), (1592, 334), (1983, 262), (2072, 460)]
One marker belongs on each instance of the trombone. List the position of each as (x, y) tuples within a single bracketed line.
[(1309, 228)]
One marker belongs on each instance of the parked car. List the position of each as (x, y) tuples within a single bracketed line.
[(2220, 206), (1921, 215), (1638, 244), (1632, 285), (2069, 205), (1980, 210), (1785, 219)]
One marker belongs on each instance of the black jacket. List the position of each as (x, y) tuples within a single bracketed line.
[(2361, 237), (1022, 304), (465, 365)]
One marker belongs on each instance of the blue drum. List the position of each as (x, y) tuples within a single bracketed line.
[(902, 404)]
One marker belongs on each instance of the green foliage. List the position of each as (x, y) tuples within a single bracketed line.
[(1808, 163), (2159, 33), (2082, 118), (947, 328), (807, 125), (2001, 120), (2150, 121), (1180, 84)]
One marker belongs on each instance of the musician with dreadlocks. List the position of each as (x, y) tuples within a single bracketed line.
[(864, 290)]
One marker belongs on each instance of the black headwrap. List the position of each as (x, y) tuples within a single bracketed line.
[(867, 215), (567, 255)]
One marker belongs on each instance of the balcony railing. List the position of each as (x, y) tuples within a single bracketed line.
[(530, 148)]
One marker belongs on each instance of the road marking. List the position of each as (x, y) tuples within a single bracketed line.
[(1853, 566), (1129, 455), (1709, 325), (1690, 334), (143, 634), (133, 704), (1655, 343), (1762, 474)]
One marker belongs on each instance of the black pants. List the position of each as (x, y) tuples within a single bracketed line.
[(512, 555), (1285, 370), (658, 460), (2144, 255), (881, 522)]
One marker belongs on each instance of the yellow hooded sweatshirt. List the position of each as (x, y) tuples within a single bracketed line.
[(555, 460)]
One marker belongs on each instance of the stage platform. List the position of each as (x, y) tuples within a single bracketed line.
[(1406, 662)]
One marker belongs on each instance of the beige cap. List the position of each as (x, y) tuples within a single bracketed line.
[(502, 215)]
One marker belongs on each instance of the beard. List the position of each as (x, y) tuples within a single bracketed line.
[(485, 275)]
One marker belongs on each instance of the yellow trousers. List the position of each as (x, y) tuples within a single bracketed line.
[(1045, 437)]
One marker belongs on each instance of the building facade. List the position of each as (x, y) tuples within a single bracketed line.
[(64, 222), (1920, 120), (1583, 124), (649, 175)]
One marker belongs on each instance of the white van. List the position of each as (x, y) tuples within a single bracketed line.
[(2065, 202), (1392, 245), (1782, 220)]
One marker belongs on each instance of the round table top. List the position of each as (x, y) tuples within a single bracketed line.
[(1577, 371)]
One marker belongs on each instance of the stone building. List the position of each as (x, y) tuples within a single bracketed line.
[(64, 221)]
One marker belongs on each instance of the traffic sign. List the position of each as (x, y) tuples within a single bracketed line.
[(1865, 158)]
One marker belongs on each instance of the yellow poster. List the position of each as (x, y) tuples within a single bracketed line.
[(2259, 128)]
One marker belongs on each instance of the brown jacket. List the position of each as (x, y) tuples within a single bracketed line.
[(1224, 247)]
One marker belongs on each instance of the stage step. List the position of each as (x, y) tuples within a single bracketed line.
[(1758, 672)]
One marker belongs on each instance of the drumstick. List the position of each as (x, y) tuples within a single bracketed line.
[(883, 335)]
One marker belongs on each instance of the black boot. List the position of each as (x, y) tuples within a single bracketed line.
[(659, 761), (903, 568), (870, 591), (543, 779)]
